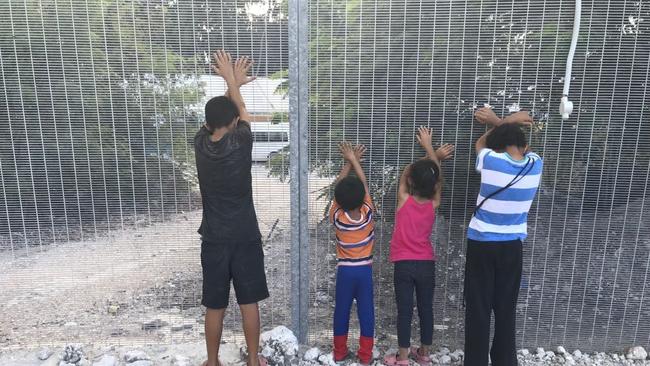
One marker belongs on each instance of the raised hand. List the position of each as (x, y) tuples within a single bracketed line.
[(521, 118), (347, 151), (486, 115), (241, 68), (359, 150), (424, 138), (445, 152), (223, 65)]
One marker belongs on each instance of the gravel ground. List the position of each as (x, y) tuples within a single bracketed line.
[(141, 286), (280, 348)]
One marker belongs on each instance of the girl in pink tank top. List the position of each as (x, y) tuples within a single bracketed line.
[(411, 249)]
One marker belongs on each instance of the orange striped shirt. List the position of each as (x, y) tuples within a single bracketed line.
[(354, 238)]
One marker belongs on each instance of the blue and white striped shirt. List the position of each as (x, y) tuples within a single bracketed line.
[(503, 217)]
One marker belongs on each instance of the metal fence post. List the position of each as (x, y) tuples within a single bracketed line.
[(298, 113)]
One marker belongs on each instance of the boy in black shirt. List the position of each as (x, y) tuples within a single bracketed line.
[(231, 247)]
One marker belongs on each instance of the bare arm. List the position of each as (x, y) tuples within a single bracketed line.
[(241, 68), (360, 174), (444, 152), (235, 77), (438, 195), (352, 156), (403, 189), (345, 171), (424, 139), (488, 117), (481, 142)]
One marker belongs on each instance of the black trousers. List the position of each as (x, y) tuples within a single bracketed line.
[(492, 281), (419, 277)]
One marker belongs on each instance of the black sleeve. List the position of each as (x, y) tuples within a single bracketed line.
[(201, 134), (243, 133)]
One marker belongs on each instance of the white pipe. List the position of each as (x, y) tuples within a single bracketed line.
[(566, 106)]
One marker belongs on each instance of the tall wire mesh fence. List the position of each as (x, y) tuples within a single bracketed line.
[(379, 69), (100, 206), (100, 101)]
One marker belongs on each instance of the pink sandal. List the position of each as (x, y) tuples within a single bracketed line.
[(422, 360), (391, 360), (262, 360)]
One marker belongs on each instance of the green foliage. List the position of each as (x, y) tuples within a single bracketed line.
[(279, 117), (108, 122)]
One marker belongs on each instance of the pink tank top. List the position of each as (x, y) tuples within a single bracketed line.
[(412, 234)]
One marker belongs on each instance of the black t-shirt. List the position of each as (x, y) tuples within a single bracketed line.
[(224, 170)]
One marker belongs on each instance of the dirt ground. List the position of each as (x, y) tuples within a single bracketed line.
[(142, 285), (137, 286)]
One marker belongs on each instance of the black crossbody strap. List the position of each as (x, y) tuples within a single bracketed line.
[(514, 181)]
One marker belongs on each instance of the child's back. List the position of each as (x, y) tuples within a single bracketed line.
[(354, 238), (412, 234)]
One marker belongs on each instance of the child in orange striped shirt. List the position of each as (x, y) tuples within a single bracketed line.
[(352, 216)]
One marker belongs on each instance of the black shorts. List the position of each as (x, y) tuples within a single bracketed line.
[(243, 263)]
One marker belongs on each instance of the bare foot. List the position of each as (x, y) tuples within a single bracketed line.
[(257, 361), (205, 363)]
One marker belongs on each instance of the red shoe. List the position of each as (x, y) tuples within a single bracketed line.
[(341, 351), (365, 350)]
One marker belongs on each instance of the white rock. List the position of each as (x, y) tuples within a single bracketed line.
[(267, 352), (560, 350), (577, 354), (72, 353), (181, 361), (312, 354), (141, 363), (283, 338), (549, 355), (457, 355), (569, 360), (229, 353), (524, 352), (375, 353), (444, 351), (135, 355), (106, 360), (52, 361), (327, 359), (445, 359), (392, 351), (44, 354), (637, 353)]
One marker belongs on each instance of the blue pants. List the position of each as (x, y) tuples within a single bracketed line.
[(354, 283)]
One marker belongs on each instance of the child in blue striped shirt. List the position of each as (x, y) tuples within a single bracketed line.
[(510, 176)]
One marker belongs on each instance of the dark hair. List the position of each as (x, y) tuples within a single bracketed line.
[(507, 134), (220, 112), (349, 193), (423, 177)]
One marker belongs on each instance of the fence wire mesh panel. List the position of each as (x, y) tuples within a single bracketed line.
[(379, 69), (100, 101)]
